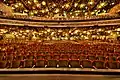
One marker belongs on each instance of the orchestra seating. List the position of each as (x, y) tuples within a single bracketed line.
[(99, 53), (31, 54)]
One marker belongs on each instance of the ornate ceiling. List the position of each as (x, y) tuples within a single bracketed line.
[(64, 8), (115, 9)]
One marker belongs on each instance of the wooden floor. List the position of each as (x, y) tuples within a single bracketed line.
[(60, 69), (57, 77)]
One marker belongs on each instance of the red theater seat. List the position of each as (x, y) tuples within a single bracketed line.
[(47, 57), (40, 56), (40, 63), (19, 57), (52, 63), (3, 64), (63, 63), (99, 64), (30, 57), (9, 57), (28, 63), (74, 63), (15, 64), (57, 57), (1, 55), (82, 57), (101, 57), (112, 58), (92, 57), (113, 64), (73, 57), (65, 57), (86, 64)]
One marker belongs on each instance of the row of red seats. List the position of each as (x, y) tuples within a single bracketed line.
[(26, 52), (60, 63), (79, 51), (63, 56), (60, 55)]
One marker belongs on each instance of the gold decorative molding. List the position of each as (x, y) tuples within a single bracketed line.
[(6, 9), (60, 24), (115, 9)]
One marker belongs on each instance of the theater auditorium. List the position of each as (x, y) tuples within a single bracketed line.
[(59, 39)]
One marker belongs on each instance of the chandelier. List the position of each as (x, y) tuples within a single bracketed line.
[(64, 8)]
